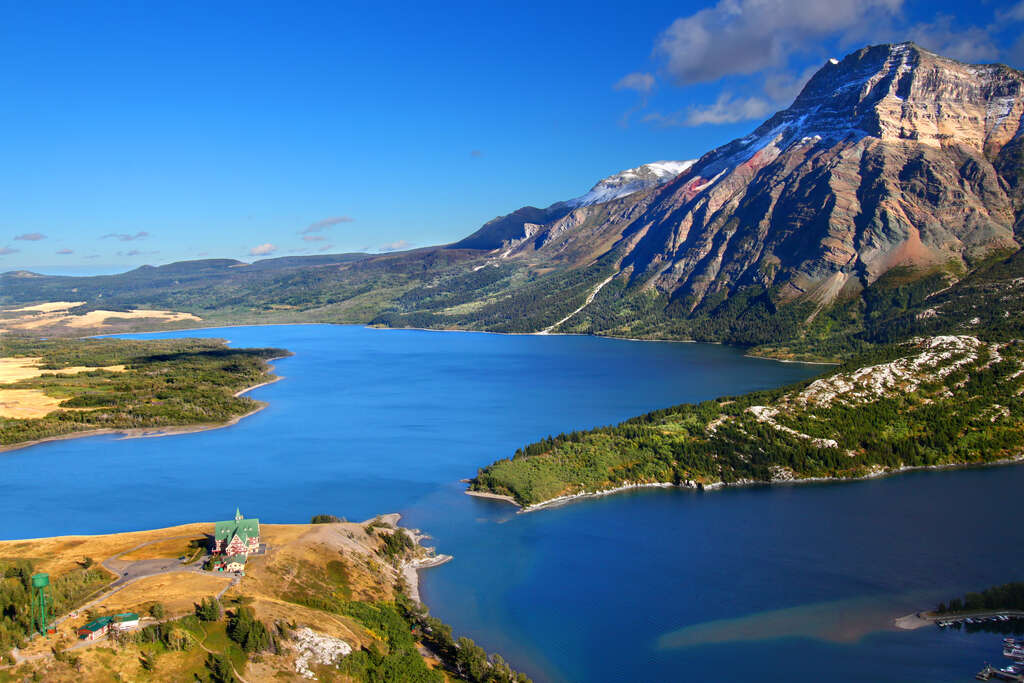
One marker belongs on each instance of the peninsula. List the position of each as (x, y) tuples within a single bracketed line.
[(331, 600), (59, 388), (929, 402)]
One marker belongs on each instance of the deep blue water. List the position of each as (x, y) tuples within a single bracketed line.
[(794, 583)]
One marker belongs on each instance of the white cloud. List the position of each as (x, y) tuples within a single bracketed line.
[(1016, 54), (31, 237), (123, 237), (65, 251), (325, 223), (4, 251), (395, 246), (726, 109), (263, 249), (742, 37), (313, 238), (945, 37), (1012, 13), (642, 83), (782, 88)]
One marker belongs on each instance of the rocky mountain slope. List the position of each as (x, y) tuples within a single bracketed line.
[(895, 173), (891, 157)]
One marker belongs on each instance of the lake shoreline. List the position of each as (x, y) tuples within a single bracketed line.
[(571, 498), (153, 432), (368, 326)]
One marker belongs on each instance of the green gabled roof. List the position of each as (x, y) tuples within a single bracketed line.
[(235, 558), (245, 528), (97, 624), (126, 616)]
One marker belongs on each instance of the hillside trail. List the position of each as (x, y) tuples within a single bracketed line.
[(590, 300)]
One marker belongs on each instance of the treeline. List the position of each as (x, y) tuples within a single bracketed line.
[(165, 383), (399, 625), (66, 591), (1009, 596)]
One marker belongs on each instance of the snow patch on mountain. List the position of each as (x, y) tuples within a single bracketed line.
[(630, 181)]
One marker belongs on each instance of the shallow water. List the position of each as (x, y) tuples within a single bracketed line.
[(783, 583)]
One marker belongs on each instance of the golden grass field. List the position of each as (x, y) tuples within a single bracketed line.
[(61, 553), (178, 592), (33, 403), (57, 314)]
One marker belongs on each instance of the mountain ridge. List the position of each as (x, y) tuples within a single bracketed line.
[(893, 175)]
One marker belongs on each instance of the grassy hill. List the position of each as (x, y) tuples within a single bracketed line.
[(326, 588)]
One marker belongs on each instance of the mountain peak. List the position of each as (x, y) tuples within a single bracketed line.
[(891, 156), (631, 180)]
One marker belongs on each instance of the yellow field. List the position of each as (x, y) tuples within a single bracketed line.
[(31, 404), (18, 368), (49, 307), (61, 553), (172, 547), (56, 313), (178, 592), (27, 404)]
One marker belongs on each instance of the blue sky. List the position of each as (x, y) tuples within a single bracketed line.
[(153, 132)]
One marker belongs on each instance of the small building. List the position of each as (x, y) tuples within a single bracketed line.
[(234, 563), (95, 629), (238, 536), (124, 622)]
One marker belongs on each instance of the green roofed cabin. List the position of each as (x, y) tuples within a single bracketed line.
[(95, 629), (238, 536)]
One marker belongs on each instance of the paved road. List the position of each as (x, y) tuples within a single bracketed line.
[(127, 573)]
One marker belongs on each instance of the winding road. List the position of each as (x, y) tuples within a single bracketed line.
[(128, 573)]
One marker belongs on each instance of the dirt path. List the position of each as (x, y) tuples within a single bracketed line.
[(202, 644), (126, 575), (590, 300)]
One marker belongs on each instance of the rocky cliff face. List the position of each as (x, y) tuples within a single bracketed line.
[(893, 156)]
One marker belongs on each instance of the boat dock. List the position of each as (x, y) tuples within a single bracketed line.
[(1014, 649), (969, 619)]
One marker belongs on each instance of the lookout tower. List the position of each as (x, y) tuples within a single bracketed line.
[(41, 602)]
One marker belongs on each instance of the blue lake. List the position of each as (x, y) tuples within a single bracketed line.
[(794, 583)]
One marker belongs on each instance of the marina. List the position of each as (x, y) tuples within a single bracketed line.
[(1013, 649)]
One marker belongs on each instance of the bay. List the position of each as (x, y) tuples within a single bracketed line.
[(777, 583)]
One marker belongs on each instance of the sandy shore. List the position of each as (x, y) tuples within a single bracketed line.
[(410, 572), (914, 621), (492, 496), (562, 500)]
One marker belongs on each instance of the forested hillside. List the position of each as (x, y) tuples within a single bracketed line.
[(929, 402)]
